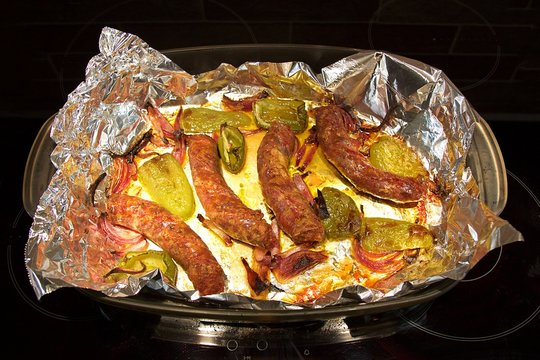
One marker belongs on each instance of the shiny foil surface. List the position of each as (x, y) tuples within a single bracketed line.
[(103, 117)]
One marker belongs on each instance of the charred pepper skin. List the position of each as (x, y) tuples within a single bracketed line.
[(220, 203), (172, 235), (293, 212), (342, 151)]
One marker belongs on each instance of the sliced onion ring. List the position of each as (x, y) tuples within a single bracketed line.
[(123, 172), (293, 262), (388, 263), (119, 234)]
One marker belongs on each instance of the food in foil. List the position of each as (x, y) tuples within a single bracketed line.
[(344, 152), (289, 221), (173, 235), (223, 208), (266, 182), (140, 262), (288, 200)]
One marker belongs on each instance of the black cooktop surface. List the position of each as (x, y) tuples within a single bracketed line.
[(489, 50), (492, 313)]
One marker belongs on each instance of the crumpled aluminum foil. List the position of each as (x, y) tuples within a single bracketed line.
[(102, 117)]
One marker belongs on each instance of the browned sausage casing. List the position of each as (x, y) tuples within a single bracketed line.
[(220, 203), (340, 149), (173, 236), (293, 212)]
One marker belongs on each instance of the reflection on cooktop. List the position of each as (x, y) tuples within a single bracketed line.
[(494, 311), (305, 333)]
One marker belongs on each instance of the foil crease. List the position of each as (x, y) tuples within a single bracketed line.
[(103, 118)]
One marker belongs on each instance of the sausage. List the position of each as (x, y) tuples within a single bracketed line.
[(341, 150), (293, 212), (220, 203), (172, 235)]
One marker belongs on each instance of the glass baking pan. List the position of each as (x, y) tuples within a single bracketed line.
[(484, 159)]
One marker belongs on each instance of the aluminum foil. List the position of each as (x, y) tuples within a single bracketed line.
[(102, 118)]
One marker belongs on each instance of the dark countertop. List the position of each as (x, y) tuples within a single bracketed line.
[(489, 49), (67, 323)]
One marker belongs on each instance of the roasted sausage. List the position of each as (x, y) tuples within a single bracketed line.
[(341, 150), (173, 236), (293, 212), (220, 203)]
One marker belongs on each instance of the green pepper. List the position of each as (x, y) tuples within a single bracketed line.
[(289, 112), (393, 155), (197, 120), (232, 148), (383, 235), (140, 262), (343, 218), (164, 180)]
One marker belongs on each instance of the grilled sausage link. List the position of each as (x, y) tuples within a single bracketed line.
[(340, 149), (293, 212), (220, 203), (172, 235)]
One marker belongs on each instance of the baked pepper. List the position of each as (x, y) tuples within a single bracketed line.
[(290, 112), (164, 180)]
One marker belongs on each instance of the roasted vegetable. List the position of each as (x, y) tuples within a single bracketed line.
[(343, 218), (172, 235), (294, 262), (289, 112), (141, 262), (232, 148), (244, 103), (385, 235), (342, 150), (204, 120), (165, 181), (392, 155)]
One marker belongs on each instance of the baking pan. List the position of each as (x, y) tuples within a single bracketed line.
[(484, 159)]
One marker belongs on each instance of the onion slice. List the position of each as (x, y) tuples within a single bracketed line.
[(210, 225), (119, 234), (250, 132), (160, 122), (305, 153), (179, 151), (387, 262), (292, 263), (123, 173), (257, 284), (243, 104)]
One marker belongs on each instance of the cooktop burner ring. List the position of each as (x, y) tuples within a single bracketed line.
[(487, 272), (238, 336), (498, 334)]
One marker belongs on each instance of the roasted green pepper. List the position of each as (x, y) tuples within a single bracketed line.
[(383, 235), (232, 148), (343, 218), (140, 262), (289, 112), (197, 120), (164, 180), (394, 156)]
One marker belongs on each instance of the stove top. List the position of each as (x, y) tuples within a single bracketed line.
[(492, 313), (490, 50)]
